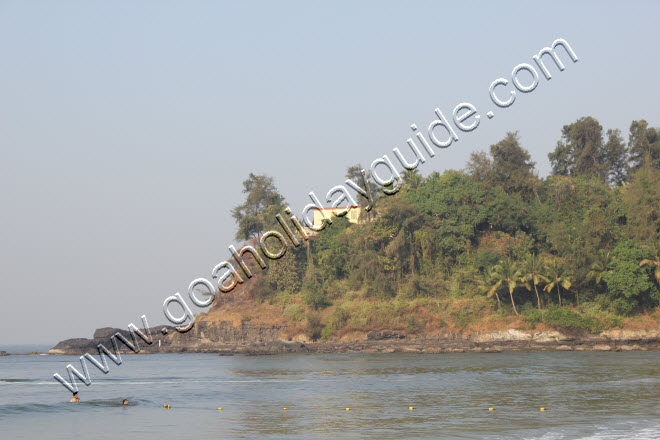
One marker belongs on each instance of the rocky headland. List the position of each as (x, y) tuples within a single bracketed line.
[(228, 337)]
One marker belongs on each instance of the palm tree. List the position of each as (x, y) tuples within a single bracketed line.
[(533, 269), (506, 272), (599, 266), (556, 277), (656, 263), (489, 285), (412, 178)]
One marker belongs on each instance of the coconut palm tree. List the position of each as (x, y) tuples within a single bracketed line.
[(506, 272), (656, 263), (532, 272), (556, 276), (489, 286), (599, 266), (412, 178)]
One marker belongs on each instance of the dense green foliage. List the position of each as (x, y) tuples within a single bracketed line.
[(577, 249)]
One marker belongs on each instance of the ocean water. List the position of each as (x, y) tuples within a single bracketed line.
[(26, 348), (587, 395)]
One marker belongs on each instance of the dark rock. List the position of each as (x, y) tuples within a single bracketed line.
[(384, 334), (84, 345)]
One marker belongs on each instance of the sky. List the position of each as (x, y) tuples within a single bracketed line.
[(126, 128)]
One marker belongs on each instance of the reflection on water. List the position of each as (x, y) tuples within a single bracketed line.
[(586, 395)]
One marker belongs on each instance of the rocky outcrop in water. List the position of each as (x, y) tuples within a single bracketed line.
[(103, 335)]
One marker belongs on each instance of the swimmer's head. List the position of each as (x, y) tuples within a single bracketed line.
[(75, 393), (125, 402)]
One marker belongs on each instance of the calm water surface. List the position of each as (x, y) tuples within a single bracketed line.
[(586, 395)]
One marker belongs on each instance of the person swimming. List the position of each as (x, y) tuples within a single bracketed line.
[(75, 397), (124, 402)]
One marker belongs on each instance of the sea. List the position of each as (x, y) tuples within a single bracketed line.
[(585, 395)]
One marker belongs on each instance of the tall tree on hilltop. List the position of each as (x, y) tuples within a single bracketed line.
[(512, 164), (508, 167), (354, 173), (644, 142), (412, 179), (480, 168), (615, 157), (579, 152), (262, 203)]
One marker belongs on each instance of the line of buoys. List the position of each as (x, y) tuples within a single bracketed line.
[(411, 408)]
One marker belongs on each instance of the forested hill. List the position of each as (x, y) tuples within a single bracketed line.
[(493, 243)]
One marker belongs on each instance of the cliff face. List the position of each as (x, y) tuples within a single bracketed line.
[(227, 337)]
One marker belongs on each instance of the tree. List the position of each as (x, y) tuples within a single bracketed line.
[(629, 283), (480, 167), (262, 203), (509, 166), (412, 179), (532, 270), (513, 168), (313, 292), (506, 272), (407, 219), (355, 174), (655, 264), (581, 152), (489, 285), (557, 276), (616, 157), (644, 142), (600, 266), (642, 198), (453, 207), (285, 274)]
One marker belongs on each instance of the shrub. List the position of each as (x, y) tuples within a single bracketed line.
[(532, 316), (334, 289), (314, 327), (294, 312), (461, 318), (261, 289), (326, 332), (568, 319), (467, 311), (622, 306), (415, 287), (628, 284), (380, 288), (412, 325), (339, 318), (315, 299)]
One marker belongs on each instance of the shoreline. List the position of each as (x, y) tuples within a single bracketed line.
[(387, 341)]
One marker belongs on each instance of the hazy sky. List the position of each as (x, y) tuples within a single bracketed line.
[(126, 128)]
